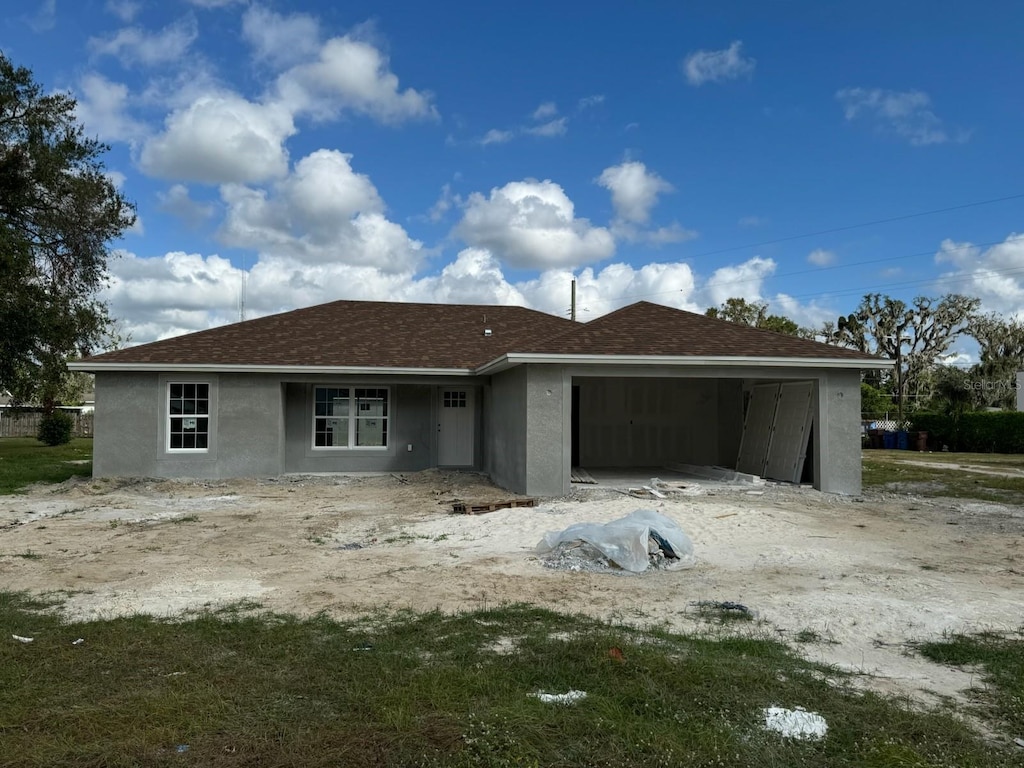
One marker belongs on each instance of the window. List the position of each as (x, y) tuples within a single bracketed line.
[(455, 399), (188, 416), (350, 417)]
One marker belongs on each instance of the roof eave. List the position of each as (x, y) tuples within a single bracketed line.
[(345, 370), (513, 359)]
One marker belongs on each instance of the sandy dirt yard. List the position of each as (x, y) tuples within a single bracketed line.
[(862, 578)]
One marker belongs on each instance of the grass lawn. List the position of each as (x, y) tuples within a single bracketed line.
[(25, 460), (883, 468), (235, 688), (1002, 659)]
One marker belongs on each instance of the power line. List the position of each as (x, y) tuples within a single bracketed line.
[(817, 270), (848, 227)]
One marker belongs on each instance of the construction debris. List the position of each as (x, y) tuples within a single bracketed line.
[(467, 508), (633, 543)]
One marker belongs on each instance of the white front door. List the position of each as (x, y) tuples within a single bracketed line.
[(455, 427)]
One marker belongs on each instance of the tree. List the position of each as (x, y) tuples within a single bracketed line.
[(739, 310), (1001, 344), (58, 212), (915, 336)]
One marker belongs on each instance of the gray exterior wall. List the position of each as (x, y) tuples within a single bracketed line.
[(126, 441), (411, 418), (504, 429), (837, 433), (548, 418), (260, 425)]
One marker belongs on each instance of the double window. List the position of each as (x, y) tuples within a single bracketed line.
[(188, 416), (350, 417)]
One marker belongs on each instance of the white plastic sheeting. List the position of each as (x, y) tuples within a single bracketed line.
[(627, 541), (795, 723)]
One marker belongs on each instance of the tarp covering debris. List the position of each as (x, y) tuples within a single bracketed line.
[(631, 543)]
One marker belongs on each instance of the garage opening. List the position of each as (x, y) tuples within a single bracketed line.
[(763, 428)]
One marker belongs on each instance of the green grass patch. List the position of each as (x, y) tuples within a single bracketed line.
[(25, 460), (1001, 659), (404, 689), (890, 470)]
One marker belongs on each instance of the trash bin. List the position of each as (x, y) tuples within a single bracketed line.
[(921, 443), (875, 437), (902, 440), (889, 440)]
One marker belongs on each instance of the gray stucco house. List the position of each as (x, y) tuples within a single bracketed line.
[(522, 395)]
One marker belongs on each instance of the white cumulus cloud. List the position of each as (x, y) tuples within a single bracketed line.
[(221, 138), (533, 224), (323, 212), (634, 190), (354, 75), (995, 274), (746, 280), (729, 63)]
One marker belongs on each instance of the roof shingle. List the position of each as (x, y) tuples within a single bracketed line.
[(377, 334)]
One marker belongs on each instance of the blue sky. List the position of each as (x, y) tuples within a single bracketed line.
[(478, 152)]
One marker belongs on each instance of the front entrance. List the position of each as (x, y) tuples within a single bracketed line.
[(455, 428)]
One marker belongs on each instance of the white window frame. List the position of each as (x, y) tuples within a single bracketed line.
[(208, 416), (353, 418)]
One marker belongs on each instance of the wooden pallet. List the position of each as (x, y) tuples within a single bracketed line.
[(467, 508)]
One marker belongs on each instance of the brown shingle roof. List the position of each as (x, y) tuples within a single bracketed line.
[(398, 335), (357, 333), (653, 329)]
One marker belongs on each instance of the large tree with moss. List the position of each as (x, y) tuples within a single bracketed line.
[(59, 212)]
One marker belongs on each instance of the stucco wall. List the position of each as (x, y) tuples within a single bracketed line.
[(411, 422), (837, 435), (125, 439), (547, 430), (504, 429), (260, 425)]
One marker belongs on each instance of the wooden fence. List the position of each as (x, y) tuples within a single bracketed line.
[(26, 423)]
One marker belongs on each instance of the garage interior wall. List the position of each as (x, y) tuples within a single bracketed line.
[(651, 422)]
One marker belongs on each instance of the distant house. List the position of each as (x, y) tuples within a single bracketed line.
[(520, 394)]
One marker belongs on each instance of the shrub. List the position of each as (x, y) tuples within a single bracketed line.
[(55, 428), (978, 432)]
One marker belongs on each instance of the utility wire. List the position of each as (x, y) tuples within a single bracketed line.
[(848, 227), (816, 270)]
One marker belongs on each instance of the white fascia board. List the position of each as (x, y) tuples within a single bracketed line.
[(513, 359), (279, 369)]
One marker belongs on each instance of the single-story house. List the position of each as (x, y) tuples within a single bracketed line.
[(519, 394)]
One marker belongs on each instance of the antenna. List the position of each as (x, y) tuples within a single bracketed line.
[(241, 293), (572, 306)]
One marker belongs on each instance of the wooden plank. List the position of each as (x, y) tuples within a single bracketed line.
[(476, 508)]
